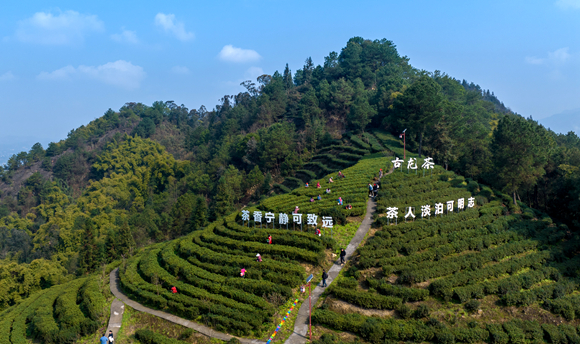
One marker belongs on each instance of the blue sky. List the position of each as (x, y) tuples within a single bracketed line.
[(64, 63)]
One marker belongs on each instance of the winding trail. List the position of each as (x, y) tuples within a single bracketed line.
[(116, 319), (300, 334), (114, 283)]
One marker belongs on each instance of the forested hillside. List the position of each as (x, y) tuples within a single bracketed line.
[(145, 174)]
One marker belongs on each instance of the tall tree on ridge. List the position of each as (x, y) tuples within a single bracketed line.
[(520, 153), (419, 107)]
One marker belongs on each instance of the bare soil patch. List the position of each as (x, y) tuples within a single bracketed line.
[(342, 307)]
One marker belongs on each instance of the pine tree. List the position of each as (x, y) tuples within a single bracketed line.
[(520, 152), (88, 260), (266, 184), (287, 78), (198, 217), (126, 241), (418, 108), (361, 111)]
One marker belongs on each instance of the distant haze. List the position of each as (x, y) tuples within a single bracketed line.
[(10, 145), (563, 122)]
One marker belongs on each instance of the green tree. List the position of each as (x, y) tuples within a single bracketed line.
[(255, 177), (88, 256), (418, 108), (441, 138), (181, 214), (287, 78), (361, 111), (520, 152), (126, 243), (308, 107), (199, 214), (228, 191), (36, 152), (276, 144)]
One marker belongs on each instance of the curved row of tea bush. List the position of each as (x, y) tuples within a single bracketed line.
[(377, 330), (60, 314)]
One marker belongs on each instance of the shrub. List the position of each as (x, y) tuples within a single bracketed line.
[(347, 282), (497, 335), (149, 337), (553, 335), (422, 311), (405, 312), (372, 330), (473, 334), (445, 337), (366, 300), (516, 334), (570, 333), (335, 213), (472, 306)]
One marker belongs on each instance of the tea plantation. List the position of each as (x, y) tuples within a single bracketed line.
[(205, 266), (334, 156), (461, 257), (60, 314), (353, 189)]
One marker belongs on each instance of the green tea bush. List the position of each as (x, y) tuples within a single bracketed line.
[(497, 335), (149, 337), (366, 300), (553, 334), (472, 306)]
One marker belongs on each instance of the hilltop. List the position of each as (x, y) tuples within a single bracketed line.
[(147, 174)]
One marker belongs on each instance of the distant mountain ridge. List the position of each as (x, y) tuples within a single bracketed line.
[(563, 122)]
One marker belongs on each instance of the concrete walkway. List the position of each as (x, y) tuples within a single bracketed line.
[(301, 334), (116, 319), (114, 283)]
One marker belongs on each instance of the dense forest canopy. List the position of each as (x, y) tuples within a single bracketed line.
[(144, 174)]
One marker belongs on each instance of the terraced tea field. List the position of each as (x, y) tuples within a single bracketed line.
[(64, 312), (464, 257), (336, 156), (353, 189), (205, 266)]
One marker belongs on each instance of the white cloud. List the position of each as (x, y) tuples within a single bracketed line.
[(180, 70), (555, 58), (559, 56), (125, 36), (534, 60), (253, 73), (7, 76), (64, 73), (566, 4), (168, 24), (120, 73), (232, 54), (64, 28)]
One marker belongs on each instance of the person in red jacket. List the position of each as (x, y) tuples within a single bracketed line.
[(270, 239), (174, 290)]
